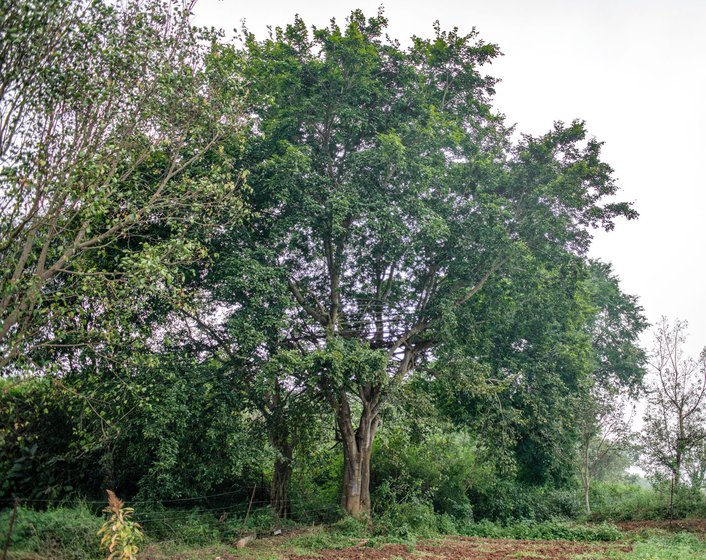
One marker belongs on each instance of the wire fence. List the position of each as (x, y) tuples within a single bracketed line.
[(303, 507)]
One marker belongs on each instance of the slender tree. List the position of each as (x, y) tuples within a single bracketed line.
[(675, 418), (604, 431)]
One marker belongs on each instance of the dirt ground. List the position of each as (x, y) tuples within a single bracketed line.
[(471, 548), (447, 548)]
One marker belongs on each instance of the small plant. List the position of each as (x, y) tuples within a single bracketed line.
[(121, 536)]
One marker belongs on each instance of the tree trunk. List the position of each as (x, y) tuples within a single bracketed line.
[(586, 473), (357, 451), (282, 474)]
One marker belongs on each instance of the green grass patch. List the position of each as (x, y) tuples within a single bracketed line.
[(684, 546), (545, 530)]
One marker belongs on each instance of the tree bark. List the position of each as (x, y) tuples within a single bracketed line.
[(357, 451), (282, 474), (586, 472), (586, 489)]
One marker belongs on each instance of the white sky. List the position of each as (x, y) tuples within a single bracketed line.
[(634, 70)]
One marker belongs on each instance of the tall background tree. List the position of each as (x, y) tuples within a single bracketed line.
[(523, 364)]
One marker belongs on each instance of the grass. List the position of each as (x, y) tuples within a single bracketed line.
[(683, 546), (70, 534), (310, 541)]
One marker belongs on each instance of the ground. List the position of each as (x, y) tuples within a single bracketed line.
[(471, 548), (648, 540)]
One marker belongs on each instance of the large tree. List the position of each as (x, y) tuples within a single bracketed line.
[(104, 107), (388, 193)]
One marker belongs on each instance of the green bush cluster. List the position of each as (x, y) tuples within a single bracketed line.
[(545, 530), (507, 500), (414, 520), (64, 532), (628, 502), (56, 446), (37, 443), (436, 471), (70, 533), (683, 546), (446, 474)]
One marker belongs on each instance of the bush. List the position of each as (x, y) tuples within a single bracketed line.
[(437, 470), (183, 527), (350, 526), (67, 533), (506, 500), (547, 530), (630, 502), (407, 521), (36, 436), (201, 528)]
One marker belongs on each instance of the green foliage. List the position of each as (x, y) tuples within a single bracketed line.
[(187, 527), (191, 417), (350, 526), (103, 199), (68, 533), (144, 435), (396, 226), (438, 470), (316, 486), (509, 500), (340, 535), (120, 536), (683, 546), (347, 364), (549, 530), (615, 323), (388, 196), (450, 474), (407, 520), (628, 502), (37, 419)]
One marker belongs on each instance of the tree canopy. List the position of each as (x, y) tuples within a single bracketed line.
[(104, 111), (398, 252), (388, 193)]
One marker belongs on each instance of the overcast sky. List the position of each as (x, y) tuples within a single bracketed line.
[(634, 70)]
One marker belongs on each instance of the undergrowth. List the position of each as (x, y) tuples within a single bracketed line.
[(69, 533)]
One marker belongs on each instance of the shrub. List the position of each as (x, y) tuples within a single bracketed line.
[(67, 533), (437, 470), (122, 537), (407, 520), (546, 530), (629, 502), (350, 526)]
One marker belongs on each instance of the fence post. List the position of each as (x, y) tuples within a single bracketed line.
[(9, 531), (252, 497)]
